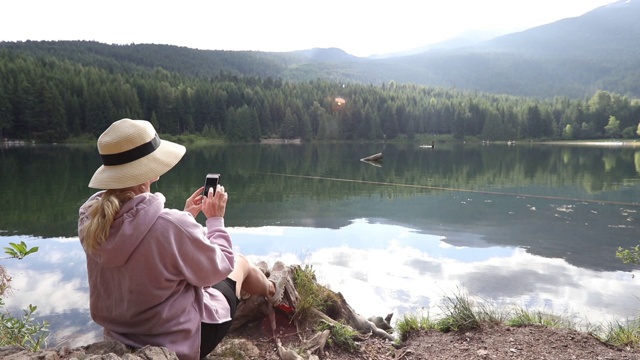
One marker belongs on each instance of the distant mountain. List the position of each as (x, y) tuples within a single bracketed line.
[(573, 57), (465, 39), (325, 55), (599, 34)]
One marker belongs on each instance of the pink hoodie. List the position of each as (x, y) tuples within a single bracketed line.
[(149, 283)]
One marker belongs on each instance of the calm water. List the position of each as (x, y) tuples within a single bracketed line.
[(527, 226)]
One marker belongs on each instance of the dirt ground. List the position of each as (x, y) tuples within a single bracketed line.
[(497, 342), (255, 340)]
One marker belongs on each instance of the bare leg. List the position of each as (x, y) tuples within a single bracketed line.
[(250, 279)]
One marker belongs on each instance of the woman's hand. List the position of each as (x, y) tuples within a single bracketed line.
[(194, 202), (215, 205)]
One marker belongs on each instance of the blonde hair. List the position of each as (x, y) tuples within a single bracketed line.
[(94, 230)]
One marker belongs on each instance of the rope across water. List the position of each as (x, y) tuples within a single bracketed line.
[(441, 188)]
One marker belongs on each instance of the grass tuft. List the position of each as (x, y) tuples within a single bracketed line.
[(622, 333), (312, 296), (523, 317), (410, 323), (461, 313)]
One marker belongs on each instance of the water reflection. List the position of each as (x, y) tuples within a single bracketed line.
[(532, 226), (380, 268)]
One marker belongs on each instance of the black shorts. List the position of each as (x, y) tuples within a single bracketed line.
[(212, 334)]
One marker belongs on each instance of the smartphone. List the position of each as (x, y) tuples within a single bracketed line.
[(211, 181)]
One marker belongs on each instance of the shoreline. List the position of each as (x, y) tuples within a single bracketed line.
[(608, 143)]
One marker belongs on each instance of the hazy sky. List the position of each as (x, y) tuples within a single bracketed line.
[(359, 27)]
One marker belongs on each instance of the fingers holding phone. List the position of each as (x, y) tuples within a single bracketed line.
[(211, 181), (214, 203), (194, 203)]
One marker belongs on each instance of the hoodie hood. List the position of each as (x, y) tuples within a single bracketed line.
[(133, 221)]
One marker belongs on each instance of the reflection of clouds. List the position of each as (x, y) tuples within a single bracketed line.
[(60, 256), (443, 244), (74, 337), (48, 291), (263, 231), (341, 258), (70, 251), (379, 268), (425, 267), (402, 279), (493, 281), (66, 240), (517, 275), (383, 281), (360, 275), (73, 329)]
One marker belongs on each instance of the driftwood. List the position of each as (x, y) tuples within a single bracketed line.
[(356, 321), (375, 160), (374, 163), (374, 157)]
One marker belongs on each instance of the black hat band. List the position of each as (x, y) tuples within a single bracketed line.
[(132, 154)]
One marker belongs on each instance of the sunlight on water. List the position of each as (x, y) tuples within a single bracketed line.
[(379, 268)]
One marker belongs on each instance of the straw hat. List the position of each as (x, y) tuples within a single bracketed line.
[(132, 154)]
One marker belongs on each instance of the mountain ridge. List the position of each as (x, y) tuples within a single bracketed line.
[(572, 57)]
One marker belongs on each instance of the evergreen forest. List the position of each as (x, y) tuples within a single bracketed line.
[(44, 98)]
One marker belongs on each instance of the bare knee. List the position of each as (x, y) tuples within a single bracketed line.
[(240, 269), (242, 263)]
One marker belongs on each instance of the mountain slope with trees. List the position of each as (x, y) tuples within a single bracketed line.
[(47, 99)]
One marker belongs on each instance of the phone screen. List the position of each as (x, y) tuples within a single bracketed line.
[(211, 182)]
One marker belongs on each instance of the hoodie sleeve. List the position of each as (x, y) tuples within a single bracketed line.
[(203, 256)]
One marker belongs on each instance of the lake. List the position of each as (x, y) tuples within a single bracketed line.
[(529, 226)]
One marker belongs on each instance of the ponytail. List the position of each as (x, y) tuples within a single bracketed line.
[(95, 225)]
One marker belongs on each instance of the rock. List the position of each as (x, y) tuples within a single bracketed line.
[(241, 347), (381, 323), (287, 354), (103, 350), (8, 350), (106, 347), (156, 353)]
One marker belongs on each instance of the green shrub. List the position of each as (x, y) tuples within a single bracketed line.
[(24, 331)]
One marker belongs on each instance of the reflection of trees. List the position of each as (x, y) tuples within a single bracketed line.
[(40, 187), (43, 186)]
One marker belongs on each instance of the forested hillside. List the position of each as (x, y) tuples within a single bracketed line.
[(146, 57), (46, 98), (580, 77)]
